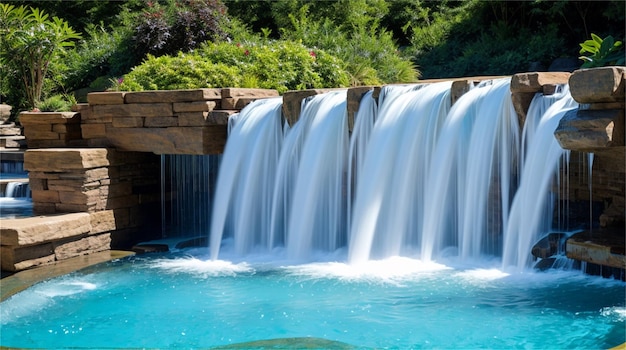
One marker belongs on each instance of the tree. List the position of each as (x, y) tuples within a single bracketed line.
[(30, 41)]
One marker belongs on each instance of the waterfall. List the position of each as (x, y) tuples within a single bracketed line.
[(388, 194), (531, 209), (16, 189), (187, 187), (242, 204), (418, 177)]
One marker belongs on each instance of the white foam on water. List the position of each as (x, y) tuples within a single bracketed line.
[(204, 268), (391, 270), (40, 296), (482, 275), (65, 288), (615, 312)]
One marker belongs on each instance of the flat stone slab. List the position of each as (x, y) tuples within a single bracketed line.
[(39, 229), (604, 84), (602, 247), (591, 130), (63, 159), (165, 96)]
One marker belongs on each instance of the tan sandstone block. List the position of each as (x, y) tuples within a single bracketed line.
[(83, 246), (155, 109), (40, 132), (16, 254), (174, 140), (89, 197), (63, 159), (44, 196), (33, 230), (160, 122), (128, 122), (172, 96), (534, 81), (103, 221), (38, 184), (245, 92), (65, 185), (40, 208), (193, 118), (589, 130), (605, 84), (196, 106), (9, 265), (73, 208), (106, 98), (28, 118)]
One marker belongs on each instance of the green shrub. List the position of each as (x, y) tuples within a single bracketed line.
[(57, 103), (370, 54), (276, 65), (601, 52), (31, 41)]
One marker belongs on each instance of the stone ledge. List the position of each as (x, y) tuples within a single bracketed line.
[(605, 84), (591, 130), (603, 247), (40, 229), (62, 159)]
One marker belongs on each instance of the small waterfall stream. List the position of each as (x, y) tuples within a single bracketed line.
[(417, 177)]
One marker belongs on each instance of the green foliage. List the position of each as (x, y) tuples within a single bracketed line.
[(31, 41), (279, 65), (57, 103), (167, 27), (369, 52), (602, 52), (483, 38)]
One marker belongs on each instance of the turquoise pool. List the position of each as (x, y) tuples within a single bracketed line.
[(185, 300)]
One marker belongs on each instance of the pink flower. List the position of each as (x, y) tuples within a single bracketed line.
[(312, 53), (246, 53), (238, 45)]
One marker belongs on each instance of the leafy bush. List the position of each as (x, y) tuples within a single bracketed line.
[(369, 52), (276, 65), (602, 52), (57, 103), (31, 41), (179, 25)]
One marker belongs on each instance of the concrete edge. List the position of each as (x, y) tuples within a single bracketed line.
[(22, 280)]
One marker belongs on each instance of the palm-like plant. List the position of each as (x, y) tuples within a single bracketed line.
[(30, 41)]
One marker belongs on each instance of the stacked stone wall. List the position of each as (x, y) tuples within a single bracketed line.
[(52, 129), (93, 200), (164, 122)]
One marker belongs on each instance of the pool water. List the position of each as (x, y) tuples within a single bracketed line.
[(183, 300)]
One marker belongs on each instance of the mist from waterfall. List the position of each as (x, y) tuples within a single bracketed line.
[(417, 177)]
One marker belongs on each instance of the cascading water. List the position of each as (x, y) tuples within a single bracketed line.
[(389, 191), (529, 216), (15, 189), (187, 187), (318, 212), (245, 180), (418, 177)]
